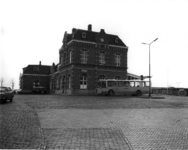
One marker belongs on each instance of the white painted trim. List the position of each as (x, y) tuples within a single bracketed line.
[(81, 41), (118, 46), (35, 75)]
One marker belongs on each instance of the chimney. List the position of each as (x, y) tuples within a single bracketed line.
[(40, 63), (102, 30), (89, 27), (73, 30)]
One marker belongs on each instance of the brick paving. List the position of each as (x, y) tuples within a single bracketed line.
[(96, 122), (85, 139), (19, 126)]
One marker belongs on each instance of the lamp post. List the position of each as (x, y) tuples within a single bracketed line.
[(150, 67)]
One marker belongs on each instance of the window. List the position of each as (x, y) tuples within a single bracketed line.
[(126, 83), (36, 68), (69, 81), (101, 76), (111, 83), (116, 40), (102, 58), (83, 35), (36, 82), (70, 56), (117, 77), (61, 59), (131, 84), (117, 59), (57, 84), (83, 82), (64, 59), (84, 55)]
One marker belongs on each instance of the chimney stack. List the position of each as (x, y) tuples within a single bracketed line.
[(73, 30), (40, 63), (89, 27)]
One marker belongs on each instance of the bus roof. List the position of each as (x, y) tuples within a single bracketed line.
[(119, 80)]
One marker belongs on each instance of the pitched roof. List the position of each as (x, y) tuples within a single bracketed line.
[(43, 69), (92, 36)]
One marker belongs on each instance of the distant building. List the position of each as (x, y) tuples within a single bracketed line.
[(35, 76), (84, 58)]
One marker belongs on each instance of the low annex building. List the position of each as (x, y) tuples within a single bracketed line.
[(35, 76), (84, 58)]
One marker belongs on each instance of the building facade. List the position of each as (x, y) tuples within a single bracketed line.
[(85, 57), (35, 76)]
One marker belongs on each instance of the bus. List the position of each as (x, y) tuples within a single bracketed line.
[(122, 87)]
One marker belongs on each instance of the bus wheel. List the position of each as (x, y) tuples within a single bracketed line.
[(111, 93), (138, 93)]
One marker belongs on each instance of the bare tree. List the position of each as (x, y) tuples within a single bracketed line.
[(12, 84), (1, 81)]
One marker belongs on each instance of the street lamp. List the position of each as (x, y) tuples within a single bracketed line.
[(150, 67)]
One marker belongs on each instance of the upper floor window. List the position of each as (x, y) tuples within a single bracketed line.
[(64, 59), (84, 56), (116, 40), (83, 35), (102, 58), (117, 59), (70, 56), (36, 68), (61, 59)]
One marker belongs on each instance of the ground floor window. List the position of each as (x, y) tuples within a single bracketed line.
[(83, 82), (69, 81)]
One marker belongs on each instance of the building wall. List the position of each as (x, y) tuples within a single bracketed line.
[(28, 80)]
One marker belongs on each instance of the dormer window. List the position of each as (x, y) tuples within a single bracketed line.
[(83, 35), (116, 40)]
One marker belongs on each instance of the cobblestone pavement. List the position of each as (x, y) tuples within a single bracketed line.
[(19, 126), (99, 122)]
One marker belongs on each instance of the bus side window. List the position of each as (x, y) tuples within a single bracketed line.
[(146, 83), (111, 83), (131, 84), (126, 83), (137, 84), (141, 84)]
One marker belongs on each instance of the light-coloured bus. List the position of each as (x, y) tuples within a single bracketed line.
[(122, 87)]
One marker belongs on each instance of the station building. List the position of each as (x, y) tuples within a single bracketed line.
[(85, 57)]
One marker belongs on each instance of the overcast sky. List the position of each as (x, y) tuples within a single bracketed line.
[(32, 31)]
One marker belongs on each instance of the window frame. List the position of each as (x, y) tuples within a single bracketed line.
[(84, 56)]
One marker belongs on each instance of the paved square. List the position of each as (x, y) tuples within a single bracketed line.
[(94, 122)]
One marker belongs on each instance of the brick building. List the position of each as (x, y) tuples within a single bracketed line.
[(35, 76), (85, 57)]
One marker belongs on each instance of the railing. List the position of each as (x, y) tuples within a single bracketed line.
[(170, 92)]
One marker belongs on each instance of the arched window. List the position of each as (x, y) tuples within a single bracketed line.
[(117, 77), (69, 81), (36, 82), (101, 76), (70, 56), (57, 84)]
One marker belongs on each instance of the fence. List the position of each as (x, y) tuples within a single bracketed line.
[(176, 92)]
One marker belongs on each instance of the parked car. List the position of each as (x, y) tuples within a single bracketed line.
[(21, 91), (6, 93), (39, 90)]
